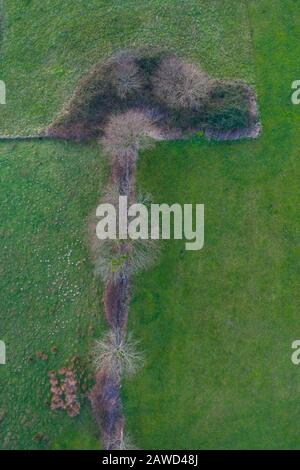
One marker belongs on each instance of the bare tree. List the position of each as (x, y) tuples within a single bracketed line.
[(117, 354), (127, 133), (113, 257), (124, 442), (181, 85), (126, 77)]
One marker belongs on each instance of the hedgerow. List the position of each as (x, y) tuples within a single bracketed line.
[(181, 95)]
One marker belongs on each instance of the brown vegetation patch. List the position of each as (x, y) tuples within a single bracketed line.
[(107, 408), (64, 391), (178, 95), (116, 301)]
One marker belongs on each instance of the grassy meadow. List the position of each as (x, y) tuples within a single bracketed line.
[(216, 325)]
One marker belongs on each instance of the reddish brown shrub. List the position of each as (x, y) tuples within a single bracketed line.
[(64, 392)]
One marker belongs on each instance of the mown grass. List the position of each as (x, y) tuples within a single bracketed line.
[(217, 325)]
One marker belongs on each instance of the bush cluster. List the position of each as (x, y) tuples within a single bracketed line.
[(181, 94), (228, 108)]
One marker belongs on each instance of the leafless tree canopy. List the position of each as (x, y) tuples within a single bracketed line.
[(127, 133), (126, 78), (117, 354), (181, 85)]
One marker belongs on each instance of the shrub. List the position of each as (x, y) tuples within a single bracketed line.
[(180, 94), (125, 443), (126, 257), (149, 60), (64, 393), (181, 85), (126, 76), (228, 108), (127, 133), (110, 85), (117, 354)]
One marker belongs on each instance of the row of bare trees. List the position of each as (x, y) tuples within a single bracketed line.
[(116, 261)]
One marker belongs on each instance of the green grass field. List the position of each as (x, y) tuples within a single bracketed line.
[(216, 325)]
